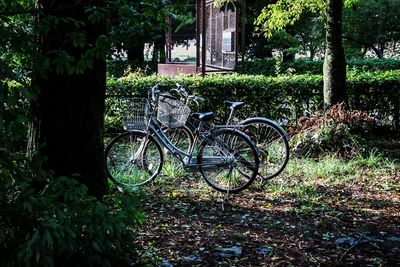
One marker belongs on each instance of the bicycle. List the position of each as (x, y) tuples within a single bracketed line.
[(271, 139), (226, 157)]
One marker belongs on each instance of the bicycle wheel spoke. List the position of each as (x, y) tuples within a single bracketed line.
[(133, 159), (235, 158), (272, 146)]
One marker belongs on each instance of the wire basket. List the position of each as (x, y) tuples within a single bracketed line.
[(135, 113), (172, 113)]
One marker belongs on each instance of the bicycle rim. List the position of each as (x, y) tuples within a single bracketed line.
[(228, 161), (133, 159), (272, 147)]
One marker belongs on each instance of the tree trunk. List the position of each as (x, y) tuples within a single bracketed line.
[(312, 54), (334, 64), (136, 53), (159, 55), (67, 117), (287, 57), (377, 52)]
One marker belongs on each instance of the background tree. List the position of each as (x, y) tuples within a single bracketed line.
[(334, 69), (135, 23), (283, 13), (373, 25)]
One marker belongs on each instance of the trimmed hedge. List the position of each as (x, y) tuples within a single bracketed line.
[(280, 98), (269, 67)]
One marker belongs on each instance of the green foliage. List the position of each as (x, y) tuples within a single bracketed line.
[(277, 16), (283, 13), (48, 221), (372, 24), (135, 22), (61, 225), (268, 97), (268, 66), (282, 98)]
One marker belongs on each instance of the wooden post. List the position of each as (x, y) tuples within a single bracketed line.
[(203, 38), (198, 30), (243, 34), (168, 43)]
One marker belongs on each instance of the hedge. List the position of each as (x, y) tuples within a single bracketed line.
[(269, 67), (280, 98)]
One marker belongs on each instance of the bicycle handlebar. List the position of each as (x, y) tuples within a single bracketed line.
[(180, 89)]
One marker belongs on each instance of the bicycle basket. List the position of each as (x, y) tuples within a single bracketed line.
[(172, 113), (135, 113)]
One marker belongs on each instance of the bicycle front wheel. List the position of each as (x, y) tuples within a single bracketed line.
[(133, 159), (272, 145), (228, 160)]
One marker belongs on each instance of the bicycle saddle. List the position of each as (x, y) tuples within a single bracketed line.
[(234, 105), (203, 116)]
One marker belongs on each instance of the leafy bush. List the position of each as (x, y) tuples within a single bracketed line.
[(63, 226), (58, 224), (338, 131), (282, 98), (268, 67)]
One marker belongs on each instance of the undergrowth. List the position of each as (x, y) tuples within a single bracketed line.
[(337, 131)]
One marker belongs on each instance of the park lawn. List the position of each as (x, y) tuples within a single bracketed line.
[(318, 212)]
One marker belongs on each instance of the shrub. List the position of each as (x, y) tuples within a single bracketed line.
[(337, 131), (63, 226), (267, 67), (59, 224), (282, 98)]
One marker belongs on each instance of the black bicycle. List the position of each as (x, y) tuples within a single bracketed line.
[(225, 156), (270, 138)]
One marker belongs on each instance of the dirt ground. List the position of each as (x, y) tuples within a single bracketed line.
[(189, 224)]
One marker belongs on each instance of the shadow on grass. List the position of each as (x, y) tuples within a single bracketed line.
[(315, 226)]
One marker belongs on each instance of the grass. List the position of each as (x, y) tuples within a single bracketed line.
[(307, 181), (299, 215)]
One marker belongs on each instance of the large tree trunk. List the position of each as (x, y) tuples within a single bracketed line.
[(335, 63), (67, 117)]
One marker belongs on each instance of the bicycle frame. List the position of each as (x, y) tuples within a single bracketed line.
[(186, 158), (155, 129)]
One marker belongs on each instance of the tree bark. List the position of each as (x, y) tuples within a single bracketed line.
[(334, 64), (136, 53), (377, 52), (67, 117), (287, 57), (159, 55)]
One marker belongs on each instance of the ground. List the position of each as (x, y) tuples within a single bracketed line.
[(318, 212)]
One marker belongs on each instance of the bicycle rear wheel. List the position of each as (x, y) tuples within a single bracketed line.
[(228, 160), (272, 145), (133, 159)]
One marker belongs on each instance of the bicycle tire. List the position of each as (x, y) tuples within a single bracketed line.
[(272, 144), (228, 160), (133, 158)]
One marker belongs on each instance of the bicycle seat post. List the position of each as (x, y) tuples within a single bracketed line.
[(234, 106), (231, 115)]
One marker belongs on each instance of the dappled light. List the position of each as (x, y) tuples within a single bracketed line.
[(199, 133)]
